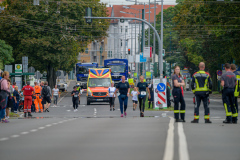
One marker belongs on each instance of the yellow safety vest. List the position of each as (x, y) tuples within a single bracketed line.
[(237, 87), (201, 74)]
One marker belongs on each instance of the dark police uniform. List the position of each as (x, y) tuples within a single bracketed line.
[(178, 97), (236, 91), (201, 86), (123, 98), (229, 79)]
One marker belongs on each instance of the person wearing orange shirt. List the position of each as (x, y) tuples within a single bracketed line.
[(38, 99), (27, 92)]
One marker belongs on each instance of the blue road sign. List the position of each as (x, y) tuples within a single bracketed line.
[(142, 59), (219, 73), (161, 87)]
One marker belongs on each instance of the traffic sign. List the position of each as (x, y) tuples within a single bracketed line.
[(161, 87), (142, 59), (219, 73)]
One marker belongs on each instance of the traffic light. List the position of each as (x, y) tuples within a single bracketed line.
[(168, 71), (88, 14), (129, 52)]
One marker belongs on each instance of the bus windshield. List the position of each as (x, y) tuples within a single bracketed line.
[(99, 82), (83, 69), (117, 68)]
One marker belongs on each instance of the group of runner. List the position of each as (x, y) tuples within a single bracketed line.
[(139, 94)]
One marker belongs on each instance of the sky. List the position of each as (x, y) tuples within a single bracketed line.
[(124, 2)]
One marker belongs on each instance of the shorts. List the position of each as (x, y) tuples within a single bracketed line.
[(135, 102), (46, 99)]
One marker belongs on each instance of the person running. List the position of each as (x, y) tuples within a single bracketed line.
[(134, 95), (16, 96), (151, 99), (55, 95), (177, 92), (75, 98), (111, 96), (142, 87), (124, 89), (46, 96)]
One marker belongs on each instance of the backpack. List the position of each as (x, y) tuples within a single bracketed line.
[(45, 91)]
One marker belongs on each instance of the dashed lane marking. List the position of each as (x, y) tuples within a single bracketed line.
[(24, 132), (33, 130), (14, 136), (48, 125), (41, 127), (4, 139)]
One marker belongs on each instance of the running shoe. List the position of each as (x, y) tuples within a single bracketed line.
[(5, 121), (110, 109), (76, 110), (113, 109), (121, 115), (125, 113)]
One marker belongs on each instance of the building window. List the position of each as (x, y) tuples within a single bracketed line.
[(126, 29), (86, 50)]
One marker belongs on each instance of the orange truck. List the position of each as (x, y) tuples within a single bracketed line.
[(99, 80)]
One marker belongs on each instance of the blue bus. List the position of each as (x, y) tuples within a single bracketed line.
[(119, 67), (82, 71)]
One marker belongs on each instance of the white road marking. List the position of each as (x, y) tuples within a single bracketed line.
[(182, 148), (95, 112), (68, 110), (62, 98), (48, 125), (41, 127), (169, 148), (24, 132), (33, 130), (54, 123), (4, 139), (15, 136), (164, 114)]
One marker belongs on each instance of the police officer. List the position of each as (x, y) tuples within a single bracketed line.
[(228, 81), (201, 87), (237, 87)]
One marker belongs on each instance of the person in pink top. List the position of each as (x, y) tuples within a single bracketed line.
[(3, 95)]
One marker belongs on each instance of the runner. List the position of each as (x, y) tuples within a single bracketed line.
[(134, 95), (141, 88), (111, 96), (75, 98), (55, 95), (124, 90)]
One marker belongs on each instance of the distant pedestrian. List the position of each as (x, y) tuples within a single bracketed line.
[(124, 89), (111, 95), (46, 96), (142, 88), (4, 96), (38, 99), (177, 93), (27, 92), (229, 81), (151, 99), (237, 87), (168, 95), (75, 98), (10, 103), (16, 96), (134, 95), (55, 95), (41, 85)]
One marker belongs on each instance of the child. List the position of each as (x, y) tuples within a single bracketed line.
[(75, 98), (134, 98), (111, 95)]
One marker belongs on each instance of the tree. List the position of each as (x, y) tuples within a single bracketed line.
[(51, 34), (5, 53)]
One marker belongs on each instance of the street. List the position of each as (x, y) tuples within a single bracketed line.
[(95, 132)]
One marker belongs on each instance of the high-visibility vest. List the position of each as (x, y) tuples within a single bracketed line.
[(237, 87), (205, 87), (37, 89)]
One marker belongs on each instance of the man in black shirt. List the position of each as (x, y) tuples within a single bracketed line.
[(124, 90), (228, 81), (75, 98)]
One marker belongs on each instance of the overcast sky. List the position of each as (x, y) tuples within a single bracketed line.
[(124, 2)]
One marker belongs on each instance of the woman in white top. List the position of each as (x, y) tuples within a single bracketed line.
[(134, 95), (111, 96), (55, 95)]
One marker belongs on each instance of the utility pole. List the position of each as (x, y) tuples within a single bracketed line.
[(161, 57), (143, 38), (148, 59), (154, 25)]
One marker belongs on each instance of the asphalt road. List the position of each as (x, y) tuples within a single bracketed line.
[(94, 132)]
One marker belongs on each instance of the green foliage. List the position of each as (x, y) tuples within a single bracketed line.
[(5, 53), (51, 34)]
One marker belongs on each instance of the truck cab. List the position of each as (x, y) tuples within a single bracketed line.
[(99, 80), (82, 71)]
